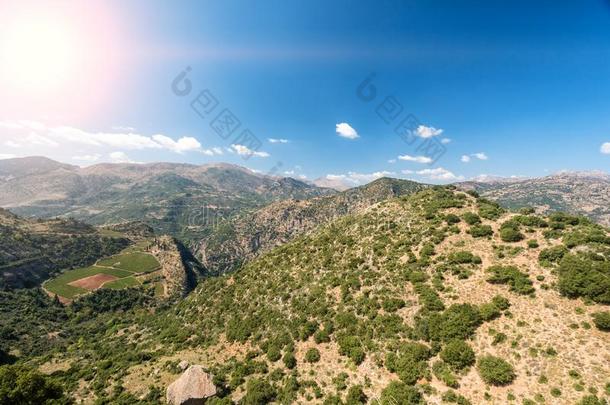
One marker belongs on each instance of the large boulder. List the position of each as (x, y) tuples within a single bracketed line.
[(192, 388)]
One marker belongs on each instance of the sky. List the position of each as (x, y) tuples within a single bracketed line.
[(434, 91)]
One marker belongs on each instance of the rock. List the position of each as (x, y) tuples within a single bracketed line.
[(192, 388), (183, 365)]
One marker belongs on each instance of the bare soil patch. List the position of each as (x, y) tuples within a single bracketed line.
[(93, 282)]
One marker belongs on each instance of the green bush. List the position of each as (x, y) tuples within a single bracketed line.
[(22, 385), (602, 320), (495, 371), (552, 255), (591, 400), (463, 257), (489, 209), (459, 321), (312, 355), (511, 235), (532, 244), (581, 276), (458, 354), (481, 231), (471, 218), (518, 282), (452, 219), (258, 392), (351, 347), (355, 396), (409, 361), (289, 360), (399, 393)]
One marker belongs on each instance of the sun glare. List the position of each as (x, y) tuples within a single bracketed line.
[(38, 53), (60, 60)]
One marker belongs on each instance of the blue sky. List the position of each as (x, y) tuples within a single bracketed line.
[(519, 88)]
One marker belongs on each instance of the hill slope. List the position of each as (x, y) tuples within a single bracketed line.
[(233, 242), (405, 301), (583, 193)]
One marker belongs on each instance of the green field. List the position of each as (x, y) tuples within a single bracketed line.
[(123, 266), (136, 262), (122, 283), (59, 285)]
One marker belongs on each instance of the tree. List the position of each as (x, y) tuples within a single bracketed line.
[(399, 393), (22, 385), (510, 235), (458, 354), (495, 371), (258, 392), (355, 396)]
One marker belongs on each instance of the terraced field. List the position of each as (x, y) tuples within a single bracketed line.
[(116, 272)]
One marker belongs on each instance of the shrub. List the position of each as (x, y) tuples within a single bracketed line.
[(409, 361), (489, 311), (591, 400), (510, 235), (351, 347), (500, 302), (552, 255), (489, 209), (463, 257), (602, 320), (481, 231), (289, 360), (399, 393), (392, 304), (458, 354), (518, 282), (581, 276), (532, 244), (459, 321), (495, 371), (452, 219), (355, 396), (273, 353), (258, 391), (312, 355), (471, 218)]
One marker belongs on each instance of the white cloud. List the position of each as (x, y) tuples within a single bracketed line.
[(346, 131), (407, 171), (392, 161), (120, 157), (274, 140), (6, 156), (12, 144), (88, 158), (439, 174), (352, 179), (428, 132), (445, 141), (289, 172), (605, 148), (30, 133), (245, 151), (184, 144), (417, 159), (478, 155)]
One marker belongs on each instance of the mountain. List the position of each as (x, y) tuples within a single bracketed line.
[(174, 198), (434, 297), (244, 237), (32, 250), (583, 193)]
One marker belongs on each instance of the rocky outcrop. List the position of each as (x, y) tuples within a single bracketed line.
[(179, 268), (192, 388)]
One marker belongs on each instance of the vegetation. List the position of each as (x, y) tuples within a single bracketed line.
[(602, 320), (519, 282), (495, 371)]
